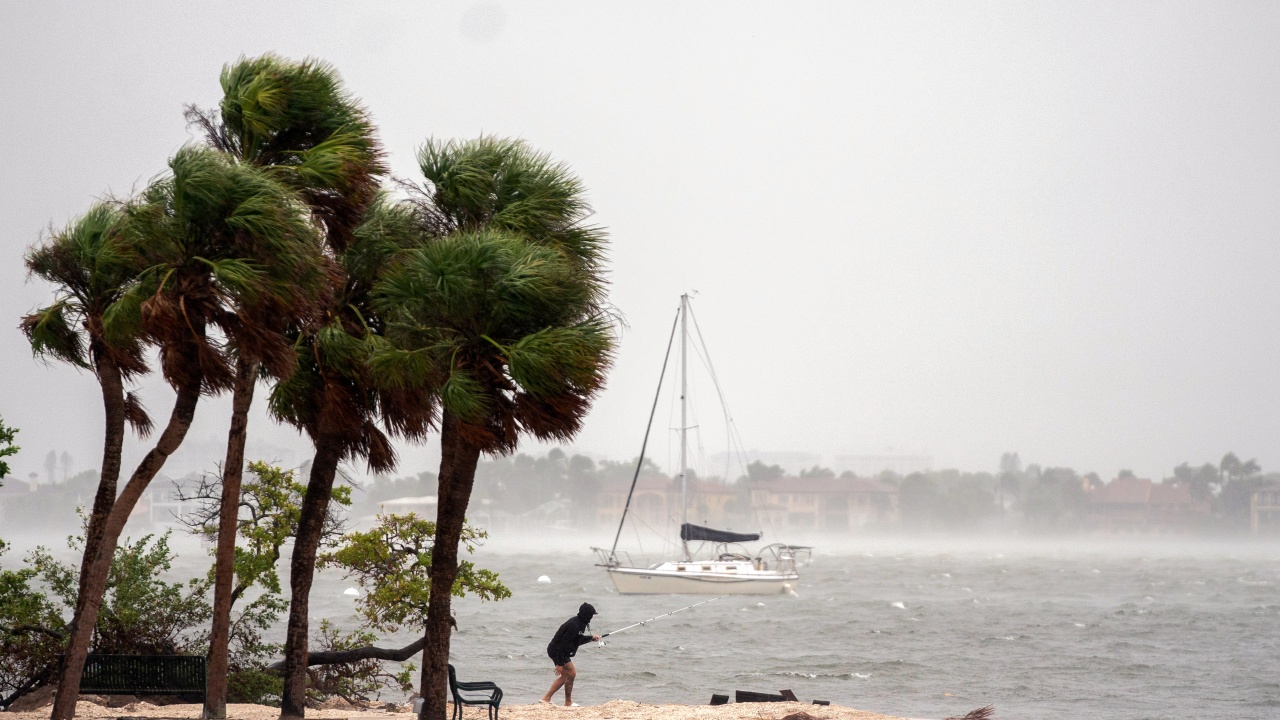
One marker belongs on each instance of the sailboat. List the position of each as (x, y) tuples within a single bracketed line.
[(718, 563)]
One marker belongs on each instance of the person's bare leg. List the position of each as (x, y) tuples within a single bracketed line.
[(555, 685), (570, 672)]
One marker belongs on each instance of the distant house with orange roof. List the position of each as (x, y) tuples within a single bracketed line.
[(1133, 505), (825, 504)]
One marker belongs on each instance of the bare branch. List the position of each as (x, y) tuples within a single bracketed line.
[(369, 652), (22, 629)]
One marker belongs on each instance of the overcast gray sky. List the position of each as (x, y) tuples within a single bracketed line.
[(953, 229)]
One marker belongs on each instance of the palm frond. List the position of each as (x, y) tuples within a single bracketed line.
[(505, 184), (462, 395), (122, 319), (397, 369), (243, 279), (562, 360), (339, 350), (52, 334), (135, 413)]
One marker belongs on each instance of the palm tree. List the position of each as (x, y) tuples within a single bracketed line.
[(223, 245), (499, 313), (332, 397), (92, 267), (293, 119), (1229, 467)]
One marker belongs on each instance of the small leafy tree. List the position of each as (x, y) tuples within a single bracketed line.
[(269, 508), (31, 630), (392, 563), (141, 612), (270, 504)]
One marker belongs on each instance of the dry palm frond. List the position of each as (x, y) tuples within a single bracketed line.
[(982, 713)]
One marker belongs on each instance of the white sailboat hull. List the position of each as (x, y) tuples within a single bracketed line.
[(666, 579)]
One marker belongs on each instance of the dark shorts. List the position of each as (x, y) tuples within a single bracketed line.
[(559, 659)]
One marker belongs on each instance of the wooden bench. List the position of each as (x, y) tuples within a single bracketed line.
[(182, 675), (476, 693)]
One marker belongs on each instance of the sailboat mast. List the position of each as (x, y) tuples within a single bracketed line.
[(684, 424)]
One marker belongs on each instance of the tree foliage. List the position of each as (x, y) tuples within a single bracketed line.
[(270, 503), (31, 630), (7, 447), (141, 613), (392, 563)]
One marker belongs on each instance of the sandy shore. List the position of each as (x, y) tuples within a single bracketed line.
[(613, 710)]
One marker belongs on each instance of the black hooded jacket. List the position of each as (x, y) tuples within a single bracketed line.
[(572, 634)]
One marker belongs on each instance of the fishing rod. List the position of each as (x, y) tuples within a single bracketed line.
[(645, 622)]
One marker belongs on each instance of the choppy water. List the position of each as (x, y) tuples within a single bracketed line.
[(922, 630), (924, 634)]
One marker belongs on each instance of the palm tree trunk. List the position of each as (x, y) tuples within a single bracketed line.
[(315, 505), (112, 386), (93, 588), (422, 674), (215, 697), (458, 460)]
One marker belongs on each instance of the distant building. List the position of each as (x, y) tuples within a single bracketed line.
[(1137, 505), (11, 489), (424, 506), (1264, 511), (833, 505)]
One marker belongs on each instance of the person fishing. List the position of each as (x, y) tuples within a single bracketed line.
[(571, 635)]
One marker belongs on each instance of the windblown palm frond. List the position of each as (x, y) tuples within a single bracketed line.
[(295, 119), (335, 390), (505, 184), (225, 247), (92, 267), (500, 329)]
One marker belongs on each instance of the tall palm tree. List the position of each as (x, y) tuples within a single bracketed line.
[(499, 313), (92, 267), (294, 120), (223, 244), (1229, 467), (333, 398)]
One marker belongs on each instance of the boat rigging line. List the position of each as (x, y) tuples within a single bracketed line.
[(645, 622), (613, 557)]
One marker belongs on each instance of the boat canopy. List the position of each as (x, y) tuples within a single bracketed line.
[(689, 531)]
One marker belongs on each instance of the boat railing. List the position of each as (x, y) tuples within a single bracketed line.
[(786, 556), (609, 559)]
